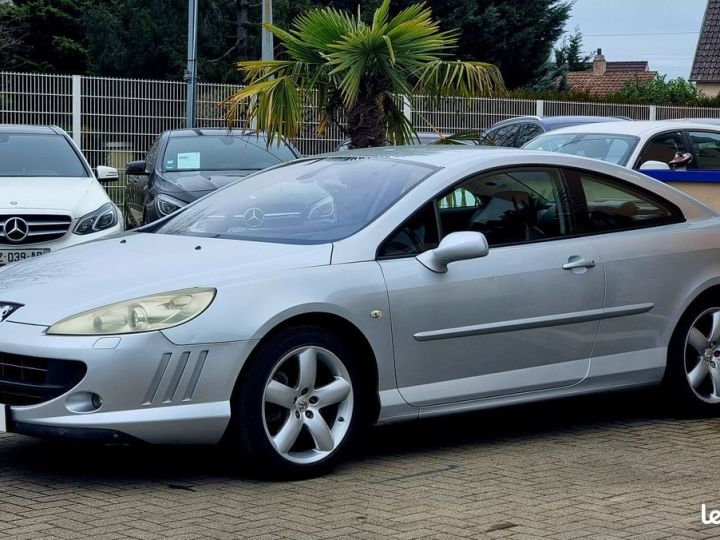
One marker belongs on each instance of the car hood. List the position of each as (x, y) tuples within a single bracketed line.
[(54, 194), (201, 181), (133, 265)]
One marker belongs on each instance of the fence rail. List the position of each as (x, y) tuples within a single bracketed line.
[(115, 120)]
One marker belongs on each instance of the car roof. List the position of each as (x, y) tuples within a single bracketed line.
[(26, 129), (636, 128), (549, 121), (440, 156), (199, 132)]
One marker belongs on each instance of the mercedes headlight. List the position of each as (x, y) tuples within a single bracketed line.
[(156, 312), (167, 205), (105, 217)]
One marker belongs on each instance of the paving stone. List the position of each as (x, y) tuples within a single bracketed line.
[(613, 466)]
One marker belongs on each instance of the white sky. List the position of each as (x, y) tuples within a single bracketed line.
[(676, 24)]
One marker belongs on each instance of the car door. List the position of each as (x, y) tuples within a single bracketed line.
[(523, 318), (645, 247), (137, 187)]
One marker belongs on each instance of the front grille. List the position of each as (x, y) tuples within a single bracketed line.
[(26, 380), (37, 228)]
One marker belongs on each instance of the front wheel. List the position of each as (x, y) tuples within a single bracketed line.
[(297, 406), (694, 360)]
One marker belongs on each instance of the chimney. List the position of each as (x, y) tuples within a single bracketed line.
[(599, 64)]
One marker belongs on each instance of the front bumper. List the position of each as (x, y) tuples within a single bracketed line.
[(151, 389), (70, 239)]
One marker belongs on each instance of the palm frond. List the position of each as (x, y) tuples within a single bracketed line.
[(274, 105), (398, 127), (459, 138), (457, 78)]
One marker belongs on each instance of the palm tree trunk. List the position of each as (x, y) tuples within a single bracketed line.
[(365, 125)]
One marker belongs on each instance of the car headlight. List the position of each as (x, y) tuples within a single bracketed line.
[(324, 208), (105, 217), (156, 312), (167, 205)]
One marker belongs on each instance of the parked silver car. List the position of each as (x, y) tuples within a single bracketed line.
[(285, 312)]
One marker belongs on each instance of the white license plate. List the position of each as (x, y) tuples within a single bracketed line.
[(3, 418), (8, 256)]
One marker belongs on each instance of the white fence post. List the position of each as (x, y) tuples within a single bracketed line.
[(653, 112), (540, 107), (407, 108), (76, 109)]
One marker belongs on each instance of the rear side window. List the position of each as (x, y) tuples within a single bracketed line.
[(604, 204), (707, 149), (39, 155), (528, 132), (501, 136)]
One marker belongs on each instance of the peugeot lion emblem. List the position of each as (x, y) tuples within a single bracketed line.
[(6, 310), (254, 217), (16, 229)]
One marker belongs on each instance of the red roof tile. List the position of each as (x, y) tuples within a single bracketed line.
[(611, 81)]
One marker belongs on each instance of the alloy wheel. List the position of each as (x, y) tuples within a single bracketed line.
[(307, 405), (702, 356)]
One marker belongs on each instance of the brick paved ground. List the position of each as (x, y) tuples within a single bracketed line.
[(613, 466)]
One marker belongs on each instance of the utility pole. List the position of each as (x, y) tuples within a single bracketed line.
[(267, 37), (191, 71)]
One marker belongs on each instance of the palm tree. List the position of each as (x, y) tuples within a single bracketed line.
[(358, 72)]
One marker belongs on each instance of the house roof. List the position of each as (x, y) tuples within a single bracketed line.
[(611, 81), (623, 66), (706, 66)]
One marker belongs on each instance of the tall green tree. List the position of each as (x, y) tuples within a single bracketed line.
[(357, 70), (569, 56), (51, 37)]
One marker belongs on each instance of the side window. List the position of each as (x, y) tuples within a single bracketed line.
[(707, 149), (662, 148), (528, 132), (604, 205), (510, 207), (416, 235), (460, 198), (501, 136), (151, 156)]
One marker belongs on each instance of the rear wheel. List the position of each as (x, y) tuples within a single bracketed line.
[(298, 405), (694, 361)]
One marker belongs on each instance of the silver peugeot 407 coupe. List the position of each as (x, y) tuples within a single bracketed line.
[(285, 312)]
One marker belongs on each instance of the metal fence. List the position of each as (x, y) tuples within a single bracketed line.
[(115, 120)]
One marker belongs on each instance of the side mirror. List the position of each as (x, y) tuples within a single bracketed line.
[(105, 175), (457, 246), (136, 167), (654, 166)]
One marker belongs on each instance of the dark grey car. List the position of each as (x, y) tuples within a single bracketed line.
[(515, 132), (185, 164)]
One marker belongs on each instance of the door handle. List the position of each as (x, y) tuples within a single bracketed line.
[(578, 262)]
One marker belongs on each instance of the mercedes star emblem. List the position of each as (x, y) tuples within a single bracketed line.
[(16, 229), (253, 217)]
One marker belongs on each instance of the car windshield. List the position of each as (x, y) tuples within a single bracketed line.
[(312, 201), (607, 147), (35, 154), (223, 153)]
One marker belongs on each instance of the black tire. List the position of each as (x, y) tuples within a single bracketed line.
[(250, 425), (683, 357)]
